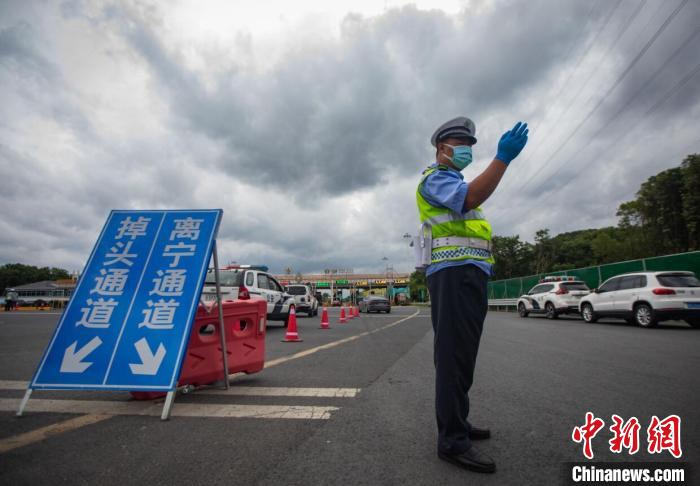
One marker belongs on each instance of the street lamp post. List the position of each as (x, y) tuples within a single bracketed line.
[(389, 277)]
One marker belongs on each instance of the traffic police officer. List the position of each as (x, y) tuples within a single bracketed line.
[(461, 263)]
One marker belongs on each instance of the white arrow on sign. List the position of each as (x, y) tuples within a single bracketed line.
[(73, 360), (149, 362)]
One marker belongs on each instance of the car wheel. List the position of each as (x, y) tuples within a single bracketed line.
[(644, 315), (694, 323), (550, 311), (522, 310), (588, 314), (388, 311)]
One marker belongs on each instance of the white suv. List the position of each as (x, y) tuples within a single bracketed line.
[(646, 298), (250, 282), (553, 296), (304, 299)]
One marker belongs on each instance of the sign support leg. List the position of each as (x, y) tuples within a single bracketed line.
[(24, 401), (168, 405), (222, 329)]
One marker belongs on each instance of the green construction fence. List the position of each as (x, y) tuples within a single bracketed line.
[(593, 276)]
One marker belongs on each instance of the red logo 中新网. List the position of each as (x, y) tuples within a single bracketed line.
[(662, 435)]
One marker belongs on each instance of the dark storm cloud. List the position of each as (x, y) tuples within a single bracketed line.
[(668, 58), (16, 48), (625, 124), (22, 51), (314, 149), (368, 100)]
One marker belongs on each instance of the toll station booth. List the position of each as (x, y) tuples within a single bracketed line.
[(352, 287)]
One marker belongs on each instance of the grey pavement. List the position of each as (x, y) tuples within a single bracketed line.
[(535, 380)]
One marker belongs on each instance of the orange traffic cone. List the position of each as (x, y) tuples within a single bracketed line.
[(351, 314), (324, 320), (357, 311), (292, 336), (343, 320)]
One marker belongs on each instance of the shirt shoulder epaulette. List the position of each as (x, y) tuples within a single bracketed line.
[(439, 167)]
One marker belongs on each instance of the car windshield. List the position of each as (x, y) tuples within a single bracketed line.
[(295, 290), (575, 286), (374, 298), (229, 278), (678, 280)]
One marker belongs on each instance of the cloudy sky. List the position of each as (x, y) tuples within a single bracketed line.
[(309, 122)]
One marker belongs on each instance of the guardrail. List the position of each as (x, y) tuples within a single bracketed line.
[(503, 304), (595, 275)]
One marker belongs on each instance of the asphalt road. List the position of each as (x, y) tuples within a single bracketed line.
[(535, 380)]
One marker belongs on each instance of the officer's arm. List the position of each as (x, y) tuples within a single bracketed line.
[(484, 184), (509, 146)]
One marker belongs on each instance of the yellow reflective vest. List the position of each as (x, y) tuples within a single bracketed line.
[(455, 236)]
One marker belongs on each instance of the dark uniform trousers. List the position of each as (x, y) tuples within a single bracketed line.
[(459, 303)]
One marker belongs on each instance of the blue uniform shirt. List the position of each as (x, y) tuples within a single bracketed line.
[(447, 189)]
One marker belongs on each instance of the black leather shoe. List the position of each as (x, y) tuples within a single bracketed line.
[(473, 459), (479, 434)]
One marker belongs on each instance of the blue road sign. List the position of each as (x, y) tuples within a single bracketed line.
[(128, 321)]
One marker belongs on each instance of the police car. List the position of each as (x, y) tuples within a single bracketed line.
[(553, 296), (250, 282)]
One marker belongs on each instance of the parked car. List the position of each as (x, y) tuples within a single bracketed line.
[(375, 303), (553, 296), (250, 282), (305, 301), (646, 298)]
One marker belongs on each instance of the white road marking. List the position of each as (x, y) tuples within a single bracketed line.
[(307, 352), (180, 410), (43, 433), (263, 391), (251, 391), (13, 385)]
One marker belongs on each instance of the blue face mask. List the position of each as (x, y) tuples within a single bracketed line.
[(461, 155)]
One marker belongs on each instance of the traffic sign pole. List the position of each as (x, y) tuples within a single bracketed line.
[(222, 331), (169, 398), (24, 401)]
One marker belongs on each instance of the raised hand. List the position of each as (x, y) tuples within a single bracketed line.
[(512, 143)]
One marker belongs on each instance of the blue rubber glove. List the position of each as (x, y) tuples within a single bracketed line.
[(512, 142)]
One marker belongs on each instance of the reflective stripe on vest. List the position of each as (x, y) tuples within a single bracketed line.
[(450, 226), (459, 253), (452, 216)]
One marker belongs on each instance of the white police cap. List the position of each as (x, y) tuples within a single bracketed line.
[(460, 127)]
